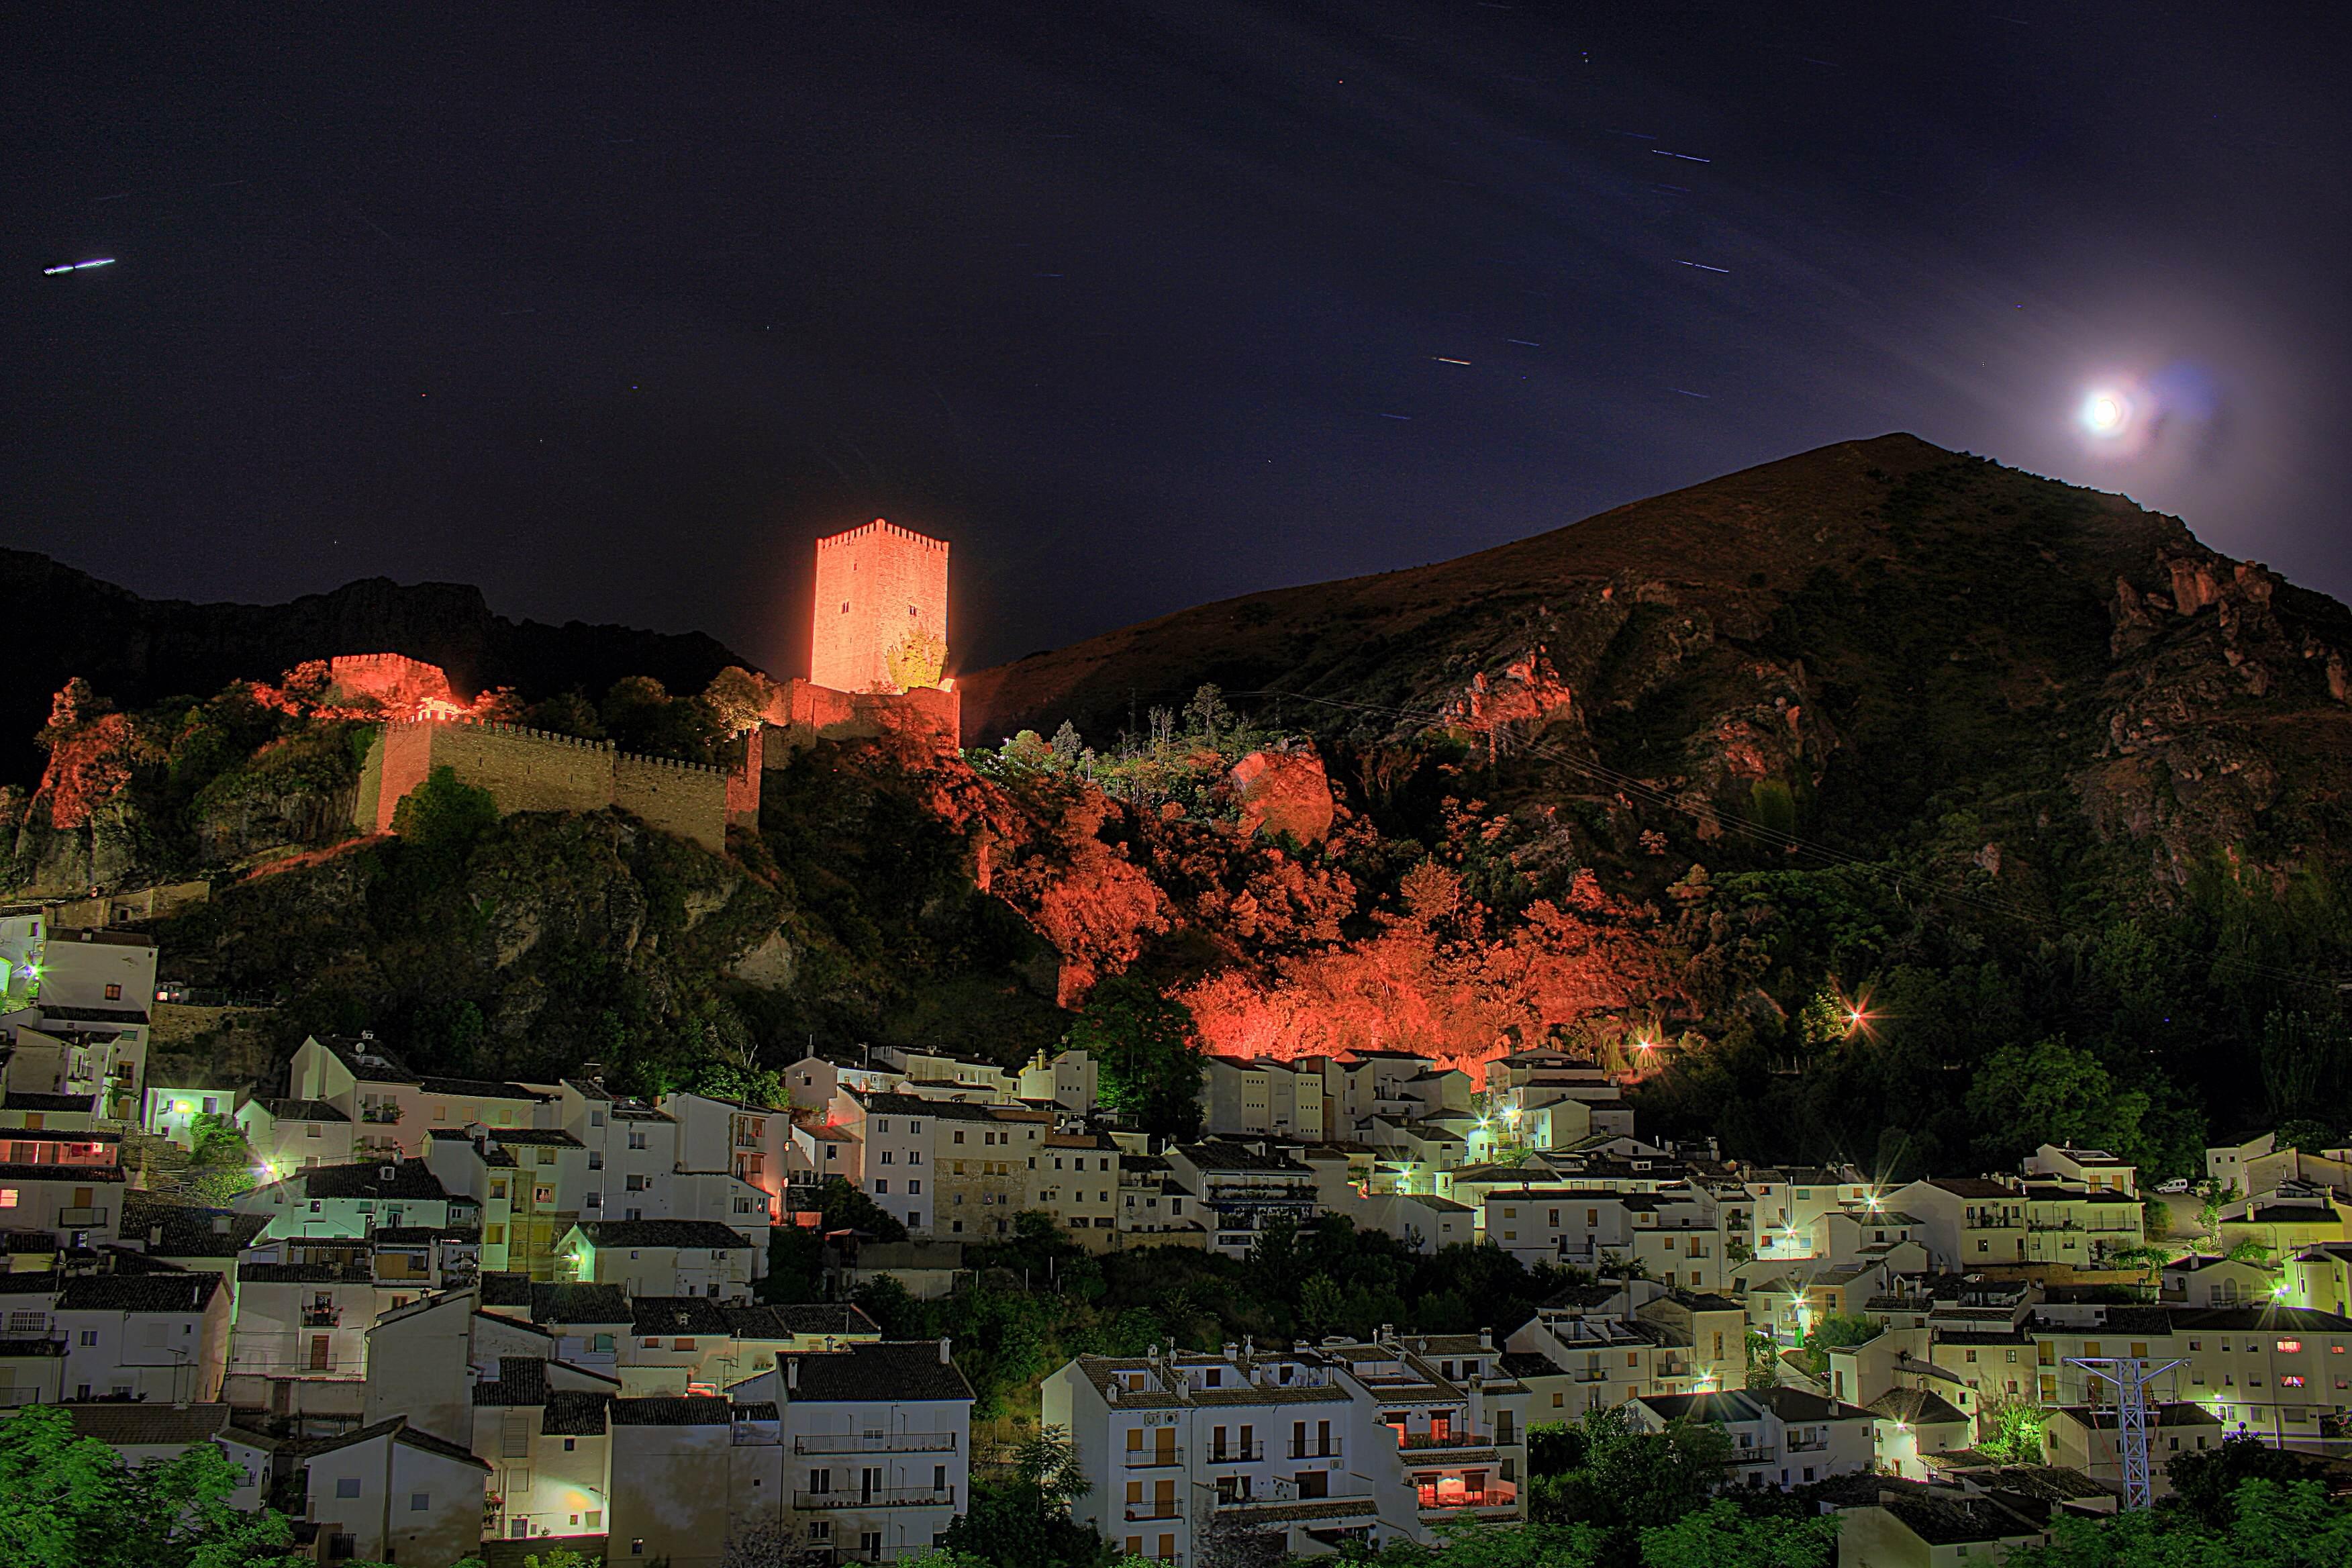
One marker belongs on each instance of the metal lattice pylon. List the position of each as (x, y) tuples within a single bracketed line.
[(2131, 1376)]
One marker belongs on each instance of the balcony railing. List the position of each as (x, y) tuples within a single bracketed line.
[(879, 1497), (1492, 1496), (1767, 1455), (321, 1316), (1137, 1512), (1316, 1448), (1236, 1454), (380, 1113), (1815, 1446), (1154, 1459), (876, 1443), (1460, 1437)]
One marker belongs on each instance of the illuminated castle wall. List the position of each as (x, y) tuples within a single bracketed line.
[(874, 585), (535, 770)]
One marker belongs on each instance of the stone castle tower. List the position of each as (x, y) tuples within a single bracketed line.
[(877, 587)]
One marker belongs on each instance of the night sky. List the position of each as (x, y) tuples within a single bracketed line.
[(612, 310)]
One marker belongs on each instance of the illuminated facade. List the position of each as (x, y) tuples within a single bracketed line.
[(881, 595)]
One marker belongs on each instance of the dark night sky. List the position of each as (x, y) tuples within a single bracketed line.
[(612, 310)]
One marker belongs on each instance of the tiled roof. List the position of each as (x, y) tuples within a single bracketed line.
[(477, 1088), (574, 1413), (126, 1424), (83, 1175), (579, 1304), (29, 1284), (672, 1410), (18, 1100), (364, 1179), (188, 1231), (710, 1233), (547, 1135), (140, 1293), (786, 1321), (1943, 1520), (1218, 1155), (666, 1315), (304, 1274), (895, 1369), (96, 1014), (1916, 1406), (500, 1287), (521, 1381), (301, 1110)]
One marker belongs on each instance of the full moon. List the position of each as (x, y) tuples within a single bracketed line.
[(2104, 412)]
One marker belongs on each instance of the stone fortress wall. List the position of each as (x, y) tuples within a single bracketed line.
[(536, 770), (874, 584)]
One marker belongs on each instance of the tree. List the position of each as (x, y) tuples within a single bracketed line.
[(71, 1502), (2013, 1429), (739, 699), (445, 815), (1149, 1054), (2207, 1480), (1026, 1518), (1613, 1475), (886, 1298), (844, 1208), (2269, 1524), (1208, 712), (1721, 1536), (918, 659), (2050, 1092)]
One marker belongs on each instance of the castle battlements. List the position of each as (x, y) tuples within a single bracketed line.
[(883, 528), (555, 738)]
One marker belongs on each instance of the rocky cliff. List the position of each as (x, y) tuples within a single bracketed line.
[(1842, 645)]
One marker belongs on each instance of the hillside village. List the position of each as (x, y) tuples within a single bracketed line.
[(432, 1317), (449, 1312)]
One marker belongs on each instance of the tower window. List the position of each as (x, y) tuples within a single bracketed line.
[(844, 606)]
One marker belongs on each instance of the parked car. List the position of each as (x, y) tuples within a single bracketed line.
[(2178, 1185)]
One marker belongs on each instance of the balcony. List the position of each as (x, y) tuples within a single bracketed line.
[(1237, 1454), (1495, 1495), (321, 1316), (879, 1497), (1764, 1455), (77, 1216), (877, 1442), (1463, 1437), (1139, 1512), (385, 1114), (1154, 1459), (1317, 1448), (1819, 1444)]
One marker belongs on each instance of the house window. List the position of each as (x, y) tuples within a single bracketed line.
[(347, 1486), (114, 992), (419, 1502), (914, 1189), (882, 1186), (2289, 1347)]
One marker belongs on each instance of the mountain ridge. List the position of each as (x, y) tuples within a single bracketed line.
[(64, 622)]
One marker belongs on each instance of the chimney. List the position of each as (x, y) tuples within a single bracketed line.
[(793, 1373), (155, 1235), (945, 1360), (1485, 1339)]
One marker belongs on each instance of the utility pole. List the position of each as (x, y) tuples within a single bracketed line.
[(2131, 1376)]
